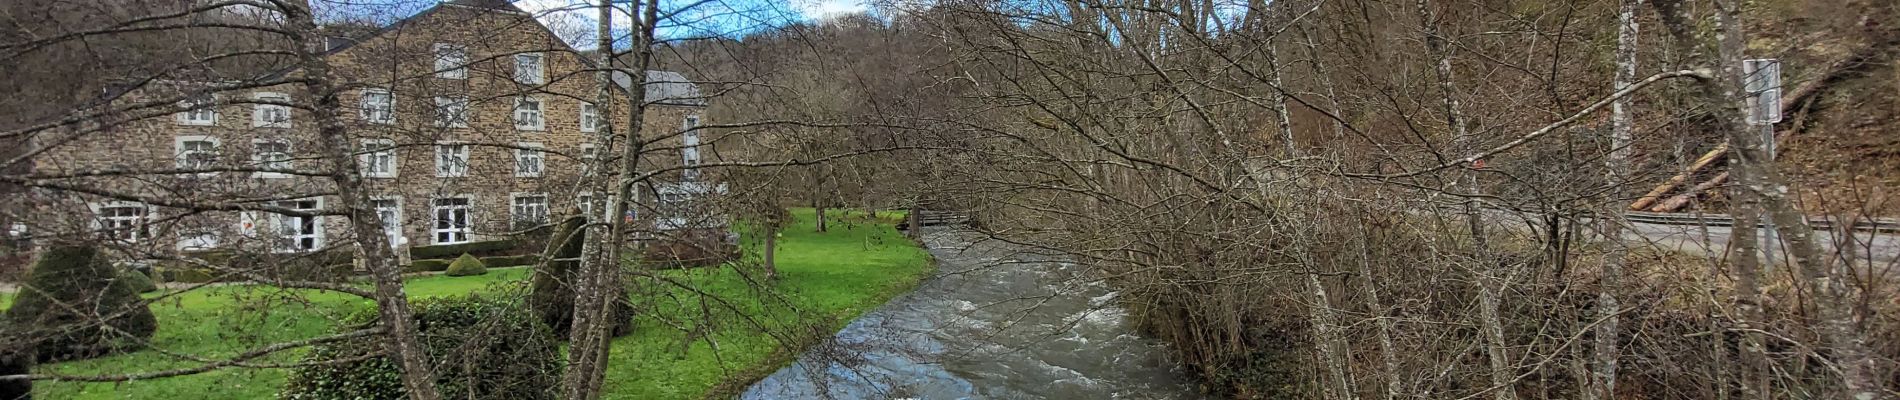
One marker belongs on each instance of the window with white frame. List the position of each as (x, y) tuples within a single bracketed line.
[(450, 60), (197, 238), (529, 68), (271, 154), (298, 233), (379, 106), (528, 111), (451, 220), (389, 213), (585, 201), (378, 157), (199, 110), (122, 221), (451, 112), (588, 154), (197, 152), (530, 160), (451, 159), (590, 117), (272, 110), (530, 210)]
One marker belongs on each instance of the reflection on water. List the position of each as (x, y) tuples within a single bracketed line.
[(995, 323)]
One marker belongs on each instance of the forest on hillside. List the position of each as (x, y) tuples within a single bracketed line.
[(1331, 199)]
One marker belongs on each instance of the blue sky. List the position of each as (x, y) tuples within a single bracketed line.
[(574, 20)]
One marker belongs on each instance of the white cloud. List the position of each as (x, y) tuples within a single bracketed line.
[(827, 9), (572, 20)]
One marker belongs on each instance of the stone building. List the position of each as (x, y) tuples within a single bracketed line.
[(473, 121)]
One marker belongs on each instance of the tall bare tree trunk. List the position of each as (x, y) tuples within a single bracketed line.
[(1279, 101), (392, 303), (1325, 78), (1839, 327), (819, 206), (1617, 165), (1498, 355), (600, 286), (1388, 356), (1323, 319), (771, 229)]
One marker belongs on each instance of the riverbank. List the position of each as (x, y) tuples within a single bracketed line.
[(826, 279)]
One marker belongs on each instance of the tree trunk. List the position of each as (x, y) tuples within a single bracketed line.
[(915, 223), (1498, 355), (1279, 101), (392, 304), (819, 205), (1325, 332), (1325, 80), (599, 287), (1388, 356), (1604, 358), (771, 247), (1763, 178)]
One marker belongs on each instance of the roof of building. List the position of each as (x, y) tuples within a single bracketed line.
[(665, 87), (662, 87)]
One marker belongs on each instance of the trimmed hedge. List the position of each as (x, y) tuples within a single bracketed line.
[(185, 275), (511, 261), (335, 265), (427, 266), (481, 348), (139, 282), (505, 247), (56, 312), (466, 265)]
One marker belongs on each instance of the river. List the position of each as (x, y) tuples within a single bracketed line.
[(995, 322)]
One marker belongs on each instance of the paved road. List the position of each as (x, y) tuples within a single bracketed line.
[(1882, 248)]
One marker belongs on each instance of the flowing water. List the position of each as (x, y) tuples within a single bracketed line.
[(996, 322)]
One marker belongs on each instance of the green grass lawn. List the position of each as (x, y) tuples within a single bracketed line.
[(741, 329)]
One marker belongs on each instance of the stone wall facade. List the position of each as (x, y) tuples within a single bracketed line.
[(232, 134)]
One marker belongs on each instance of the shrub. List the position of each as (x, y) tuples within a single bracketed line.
[(15, 358), (466, 265), (511, 261), (138, 281), (427, 266), (483, 348), (186, 275), (479, 249), (68, 278), (553, 299)]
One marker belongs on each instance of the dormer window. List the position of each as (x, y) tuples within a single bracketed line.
[(271, 111), (530, 69), (450, 61)]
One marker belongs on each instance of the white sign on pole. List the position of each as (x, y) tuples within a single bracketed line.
[(1762, 78)]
